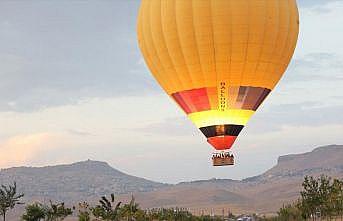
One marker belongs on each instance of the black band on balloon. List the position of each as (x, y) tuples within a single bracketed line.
[(220, 130)]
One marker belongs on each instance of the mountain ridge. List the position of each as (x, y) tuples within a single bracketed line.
[(88, 180), (264, 193), (77, 181)]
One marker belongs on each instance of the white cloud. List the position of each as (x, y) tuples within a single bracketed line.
[(23, 149)]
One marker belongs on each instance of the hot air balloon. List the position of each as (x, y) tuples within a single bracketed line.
[(218, 59)]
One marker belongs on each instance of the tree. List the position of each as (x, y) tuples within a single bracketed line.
[(34, 212), (51, 212), (313, 195), (141, 215), (106, 210), (84, 212), (130, 210), (8, 198), (57, 212), (321, 196), (176, 214), (336, 198), (290, 212)]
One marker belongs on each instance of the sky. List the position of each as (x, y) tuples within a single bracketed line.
[(74, 86)]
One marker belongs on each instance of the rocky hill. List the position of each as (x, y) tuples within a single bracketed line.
[(74, 182), (327, 160), (264, 193)]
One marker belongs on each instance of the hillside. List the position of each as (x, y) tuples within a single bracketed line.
[(75, 182), (326, 160), (264, 193), (282, 183)]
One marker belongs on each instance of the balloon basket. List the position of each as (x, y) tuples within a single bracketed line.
[(223, 159)]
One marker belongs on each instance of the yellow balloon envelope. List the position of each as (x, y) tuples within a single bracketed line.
[(218, 59)]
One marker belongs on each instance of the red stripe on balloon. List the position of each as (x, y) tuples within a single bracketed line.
[(179, 100), (194, 100), (222, 142)]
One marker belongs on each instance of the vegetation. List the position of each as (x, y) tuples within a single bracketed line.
[(8, 198), (130, 210), (84, 212), (50, 212), (289, 212), (57, 212), (321, 196), (34, 212), (170, 214), (107, 210)]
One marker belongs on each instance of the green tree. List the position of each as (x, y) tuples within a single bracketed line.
[(57, 212), (311, 196), (141, 215), (290, 212), (321, 196), (176, 214), (9, 198), (130, 210), (34, 212), (84, 212), (336, 198), (107, 210)]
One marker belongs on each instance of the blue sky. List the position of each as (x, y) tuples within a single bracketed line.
[(73, 80)]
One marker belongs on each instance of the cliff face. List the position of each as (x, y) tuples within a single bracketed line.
[(328, 160)]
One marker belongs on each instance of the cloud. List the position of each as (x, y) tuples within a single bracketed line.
[(315, 67), (306, 114), (54, 54), (80, 133), (318, 5), (23, 149), (270, 119), (177, 126)]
